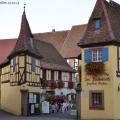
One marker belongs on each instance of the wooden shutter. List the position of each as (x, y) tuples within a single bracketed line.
[(87, 55), (104, 54)]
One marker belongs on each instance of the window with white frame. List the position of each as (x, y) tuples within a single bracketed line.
[(48, 74), (65, 76), (55, 75), (76, 64), (96, 55), (65, 84), (73, 77)]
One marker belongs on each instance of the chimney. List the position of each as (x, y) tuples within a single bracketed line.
[(53, 30)]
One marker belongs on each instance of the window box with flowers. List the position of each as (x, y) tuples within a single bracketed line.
[(60, 84), (53, 84), (70, 85), (47, 83), (94, 68), (95, 58)]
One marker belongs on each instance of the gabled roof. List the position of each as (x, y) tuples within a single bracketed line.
[(109, 33), (65, 41), (51, 59), (69, 48), (56, 38)]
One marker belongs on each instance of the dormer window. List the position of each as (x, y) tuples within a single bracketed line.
[(97, 23)]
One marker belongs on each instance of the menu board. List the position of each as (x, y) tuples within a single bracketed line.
[(45, 107)]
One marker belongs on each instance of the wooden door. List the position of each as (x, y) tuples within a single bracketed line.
[(24, 103)]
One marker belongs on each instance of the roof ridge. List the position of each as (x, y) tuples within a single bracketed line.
[(80, 25), (51, 32), (8, 39)]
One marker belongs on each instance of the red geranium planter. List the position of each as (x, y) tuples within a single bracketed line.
[(60, 84), (53, 84), (47, 83)]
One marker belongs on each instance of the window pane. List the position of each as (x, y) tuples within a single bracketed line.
[(96, 100), (97, 55), (97, 24)]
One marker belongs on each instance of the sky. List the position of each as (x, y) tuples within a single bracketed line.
[(43, 15)]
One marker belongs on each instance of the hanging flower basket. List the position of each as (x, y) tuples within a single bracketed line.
[(60, 84), (94, 68), (70, 85)]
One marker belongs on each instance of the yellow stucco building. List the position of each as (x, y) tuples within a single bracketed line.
[(100, 95)]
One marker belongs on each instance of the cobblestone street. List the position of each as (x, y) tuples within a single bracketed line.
[(56, 116)]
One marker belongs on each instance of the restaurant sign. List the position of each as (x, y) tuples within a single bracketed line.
[(97, 80)]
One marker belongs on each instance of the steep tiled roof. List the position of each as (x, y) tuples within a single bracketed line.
[(113, 9), (109, 33), (25, 39), (55, 38), (51, 59), (69, 48), (64, 41), (49, 56)]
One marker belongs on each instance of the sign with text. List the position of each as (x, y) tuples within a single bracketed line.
[(97, 80)]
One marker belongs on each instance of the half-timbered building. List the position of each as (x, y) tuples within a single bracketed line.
[(31, 66)]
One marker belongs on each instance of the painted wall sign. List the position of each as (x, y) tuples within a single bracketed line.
[(97, 80)]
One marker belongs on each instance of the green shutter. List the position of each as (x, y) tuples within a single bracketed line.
[(87, 55), (105, 54)]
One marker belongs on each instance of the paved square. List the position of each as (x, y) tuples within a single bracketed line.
[(55, 116)]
